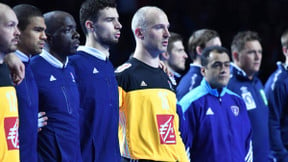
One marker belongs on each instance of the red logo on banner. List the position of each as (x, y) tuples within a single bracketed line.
[(166, 129), (11, 132)]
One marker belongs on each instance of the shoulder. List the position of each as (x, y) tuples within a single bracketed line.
[(123, 68), (36, 60), (192, 96)]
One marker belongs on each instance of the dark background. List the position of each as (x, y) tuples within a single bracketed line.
[(267, 17)]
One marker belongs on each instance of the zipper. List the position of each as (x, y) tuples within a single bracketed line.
[(66, 99)]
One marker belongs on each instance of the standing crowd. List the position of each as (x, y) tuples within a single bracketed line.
[(62, 101)]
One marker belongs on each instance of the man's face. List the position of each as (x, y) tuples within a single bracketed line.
[(9, 33), (33, 37), (249, 59), (217, 71), (107, 27), (156, 34), (66, 38), (177, 56)]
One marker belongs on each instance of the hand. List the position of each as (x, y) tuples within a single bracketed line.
[(165, 68), (17, 68), (42, 120)]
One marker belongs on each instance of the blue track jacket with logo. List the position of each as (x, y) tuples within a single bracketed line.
[(276, 89), (59, 98), (99, 112), (216, 126), (27, 95), (252, 91)]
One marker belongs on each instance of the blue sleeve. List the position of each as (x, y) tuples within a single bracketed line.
[(181, 122), (248, 141), (189, 126), (277, 103)]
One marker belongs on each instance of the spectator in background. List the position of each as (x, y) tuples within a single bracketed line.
[(175, 57), (9, 37), (99, 112), (148, 120), (58, 91), (247, 55), (32, 40), (216, 126), (197, 42), (276, 90)]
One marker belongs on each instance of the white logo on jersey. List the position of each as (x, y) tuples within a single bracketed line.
[(248, 98), (143, 84), (95, 71), (209, 111), (193, 81), (52, 78)]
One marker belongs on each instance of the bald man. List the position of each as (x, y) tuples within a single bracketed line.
[(9, 36), (148, 119), (58, 92)]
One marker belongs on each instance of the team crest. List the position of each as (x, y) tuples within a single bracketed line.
[(123, 67), (235, 110)]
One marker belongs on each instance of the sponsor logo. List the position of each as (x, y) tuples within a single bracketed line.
[(166, 129), (143, 84), (52, 78), (248, 98), (95, 71), (209, 111), (11, 132)]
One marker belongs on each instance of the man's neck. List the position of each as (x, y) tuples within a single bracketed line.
[(146, 57), (23, 51), (197, 61), (90, 42)]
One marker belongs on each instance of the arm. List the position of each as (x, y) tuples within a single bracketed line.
[(277, 105), (16, 67)]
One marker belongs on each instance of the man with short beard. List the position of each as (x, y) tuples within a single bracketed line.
[(9, 35), (99, 112), (32, 40)]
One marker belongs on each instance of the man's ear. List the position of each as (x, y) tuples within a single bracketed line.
[(203, 70), (199, 50), (235, 56), (139, 33), (89, 25), (285, 51)]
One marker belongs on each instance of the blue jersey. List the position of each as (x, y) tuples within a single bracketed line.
[(216, 125), (276, 89), (27, 95), (252, 91), (189, 81), (99, 113), (59, 98)]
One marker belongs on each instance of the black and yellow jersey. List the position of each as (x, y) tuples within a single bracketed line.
[(148, 126), (9, 141)]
